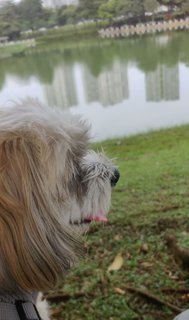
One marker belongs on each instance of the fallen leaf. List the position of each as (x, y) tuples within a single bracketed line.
[(146, 265), (172, 276), (55, 312), (185, 297), (144, 248), (129, 256), (117, 237), (116, 264), (119, 291)]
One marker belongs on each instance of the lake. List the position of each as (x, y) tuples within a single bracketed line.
[(122, 87)]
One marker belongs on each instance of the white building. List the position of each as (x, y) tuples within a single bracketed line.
[(160, 9), (58, 3)]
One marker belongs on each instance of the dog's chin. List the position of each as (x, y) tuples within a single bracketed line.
[(84, 224)]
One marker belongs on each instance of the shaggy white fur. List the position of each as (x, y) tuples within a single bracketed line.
[(183, 316), (42, 307)]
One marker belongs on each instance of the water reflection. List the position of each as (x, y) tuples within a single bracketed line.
[(109, 87), (61, 91), (127, 77), (76, 85), (162, 84)]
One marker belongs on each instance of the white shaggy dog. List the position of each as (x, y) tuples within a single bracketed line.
[(51, 188)]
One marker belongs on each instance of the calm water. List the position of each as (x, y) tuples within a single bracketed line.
[(123, 87)]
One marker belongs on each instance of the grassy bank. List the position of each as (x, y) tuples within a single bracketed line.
[(69, 36), (69, 32), (150, 201), (11, 50)]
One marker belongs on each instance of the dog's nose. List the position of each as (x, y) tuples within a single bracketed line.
[(115, 178)]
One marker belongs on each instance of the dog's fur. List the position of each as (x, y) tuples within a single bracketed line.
[(50, 183)]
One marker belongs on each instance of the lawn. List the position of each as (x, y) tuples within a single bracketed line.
[(9, 51), (150, 202)]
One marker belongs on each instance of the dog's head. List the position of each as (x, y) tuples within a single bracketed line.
[(51, 187)]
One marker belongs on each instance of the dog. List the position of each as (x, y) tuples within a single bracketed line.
[(52, 186)]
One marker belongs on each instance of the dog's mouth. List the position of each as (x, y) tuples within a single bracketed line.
[(100, 217)]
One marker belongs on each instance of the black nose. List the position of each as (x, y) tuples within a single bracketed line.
[(115, 177)]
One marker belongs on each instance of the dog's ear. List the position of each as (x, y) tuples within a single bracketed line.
[(35, 247)]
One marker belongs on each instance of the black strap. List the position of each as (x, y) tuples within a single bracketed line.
[(21, 311)]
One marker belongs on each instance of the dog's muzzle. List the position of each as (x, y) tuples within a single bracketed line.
[(115, 178)]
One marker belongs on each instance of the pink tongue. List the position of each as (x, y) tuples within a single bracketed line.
[(100, 218)]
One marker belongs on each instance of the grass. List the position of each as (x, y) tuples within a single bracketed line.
[(8, 51), (150, 200), (69, 32)]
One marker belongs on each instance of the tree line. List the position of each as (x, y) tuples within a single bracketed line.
[(31, 15)]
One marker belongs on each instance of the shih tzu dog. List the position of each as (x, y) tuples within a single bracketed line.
[(51, 188)]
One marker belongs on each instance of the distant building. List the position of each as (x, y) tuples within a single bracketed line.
[(58, 3), (160, 9)]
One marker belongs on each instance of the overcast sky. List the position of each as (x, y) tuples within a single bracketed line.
[(13, 0)]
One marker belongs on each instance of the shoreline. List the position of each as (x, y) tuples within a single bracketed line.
[(27, 46), (71, 34), (142, 135), (12, 48), (144, 28)]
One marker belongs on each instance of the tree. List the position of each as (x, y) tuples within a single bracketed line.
[(178, 2), (88, 9), (17, 17), (135, 8), (66, 15), (31, 11), (185, 6), (151, 5), (9, 20), (130, 8), (107, 10), (171, 3), (165, 2), (49, 17), (8, 11)]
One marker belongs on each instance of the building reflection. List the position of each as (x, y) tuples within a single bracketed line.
[(163, 84), (110, 87), (75, 84), (61, 92)]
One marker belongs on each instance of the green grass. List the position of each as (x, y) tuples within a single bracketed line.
[(70, 33), (11, 50), (150, 200)]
